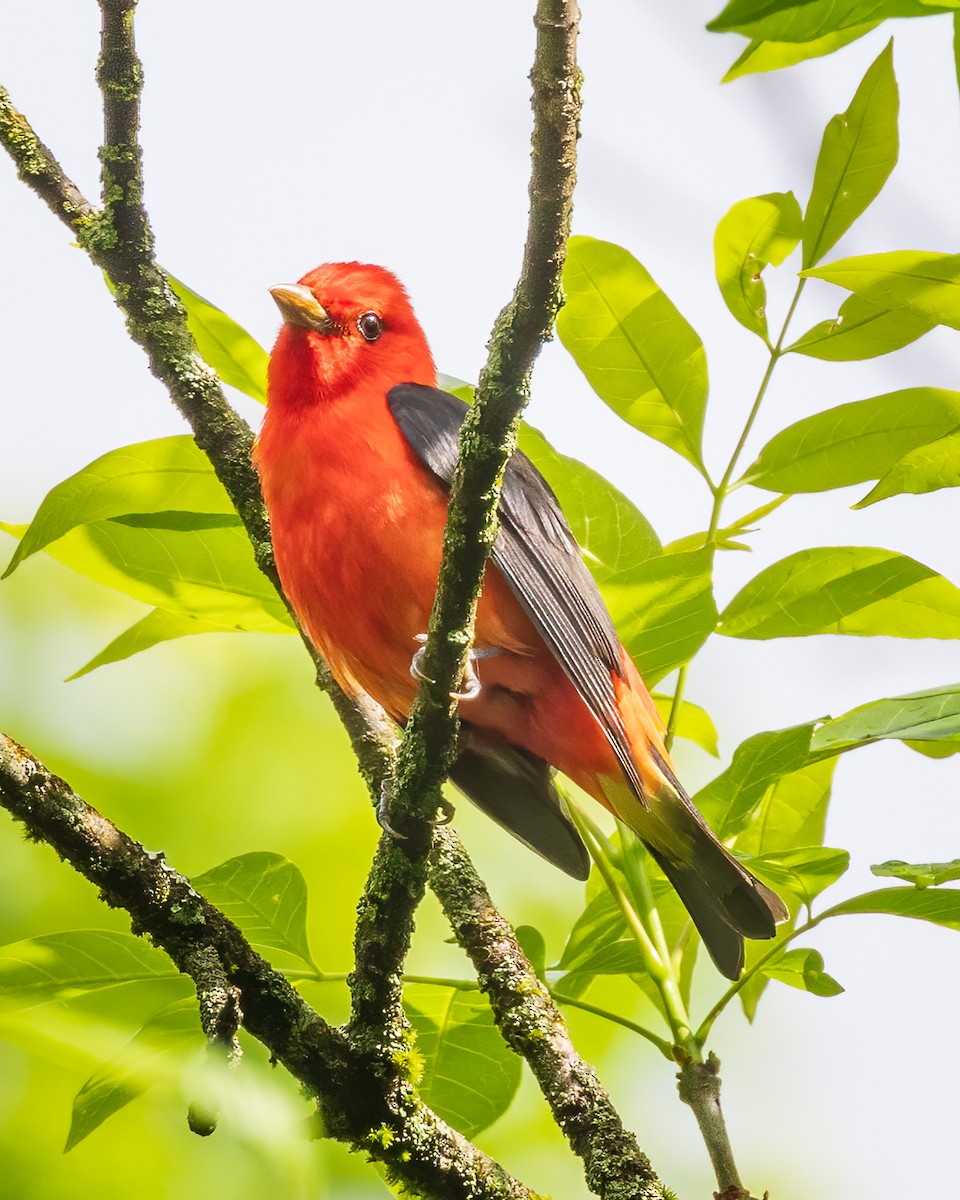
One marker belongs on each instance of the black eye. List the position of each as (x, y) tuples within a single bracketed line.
[(370, 326)]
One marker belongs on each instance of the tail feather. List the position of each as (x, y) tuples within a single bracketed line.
[(725, 901)]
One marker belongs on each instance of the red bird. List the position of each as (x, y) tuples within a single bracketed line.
[(355, 457)]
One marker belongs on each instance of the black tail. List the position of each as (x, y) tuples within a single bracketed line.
[(726, 902)]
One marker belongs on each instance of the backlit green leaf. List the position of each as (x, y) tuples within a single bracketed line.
[(470, 1076), (804, 871), (224, 345), (859, 590), (165, 474), (854, 442), (926, 468), (61, 965), (144, 1059), (921, 875), (266, 895), (803, 969), (792, 812), (861, 330), (637, 351), (753, 234), (664, 610), (928, 716), (919, 281), (156, 627), (599, 926), (762, 56), (612, 532), (805, 20), (171, 561), (941, 906), (858, 152), (694, 723), (730, 800)]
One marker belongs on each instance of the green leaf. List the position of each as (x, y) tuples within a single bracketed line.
[(694, 723), (148, 477), (941, 906), (853, 442), (760, 56), (236, 357), (920, 282), (922, 875), (803, 969), (638, 353), (610, 530), (664, 610), (62, 965), (470, 1077), (944, 749), (926, 468), (599, 926), (792, 813), (928, 716), (156, 627), (861, 330), (804, 871), (805, 20), (858, 152), (534, 947), (753, 234), (207, 573), (730, 800), (858, 590), (266, 895), (143, 1060)]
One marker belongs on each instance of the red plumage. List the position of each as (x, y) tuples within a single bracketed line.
[(357, 518)]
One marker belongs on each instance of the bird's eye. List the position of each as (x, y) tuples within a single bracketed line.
[(370, 326)]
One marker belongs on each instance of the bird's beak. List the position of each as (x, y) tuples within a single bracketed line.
[(299, 306)]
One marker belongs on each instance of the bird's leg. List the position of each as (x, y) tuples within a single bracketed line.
[(383, 811), (471, 680), (445, 810)]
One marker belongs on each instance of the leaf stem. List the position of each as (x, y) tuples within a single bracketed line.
[(647, 933), (724, 488), (707, 1023), (661, 1043)]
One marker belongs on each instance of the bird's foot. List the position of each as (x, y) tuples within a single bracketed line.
[(383, 811), (445, 812), (471, 680)]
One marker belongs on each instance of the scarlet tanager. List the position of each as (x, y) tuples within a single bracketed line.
[(355, 457)]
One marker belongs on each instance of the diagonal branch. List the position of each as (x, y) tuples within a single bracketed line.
[(398, 876), (119, 241), (391, 1124)]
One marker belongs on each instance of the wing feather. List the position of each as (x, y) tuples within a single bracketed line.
[(538, 556)]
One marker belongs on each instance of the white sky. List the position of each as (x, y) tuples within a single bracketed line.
[(279, 136)]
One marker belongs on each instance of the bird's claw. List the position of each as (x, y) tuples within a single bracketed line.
[(383, 810), (471, 680), (446, 812)]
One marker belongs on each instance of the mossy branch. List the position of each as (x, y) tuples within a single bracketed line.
[(385, 1119), (119, 240)]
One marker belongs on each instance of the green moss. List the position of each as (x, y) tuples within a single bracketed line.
[(97, 235)]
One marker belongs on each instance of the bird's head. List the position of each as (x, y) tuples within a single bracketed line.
[(346, 326)]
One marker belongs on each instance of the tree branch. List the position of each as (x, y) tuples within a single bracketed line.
[(533, 1027), (392, 1125), (119, 241)]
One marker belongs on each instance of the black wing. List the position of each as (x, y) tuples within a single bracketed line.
[(537, 555)]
